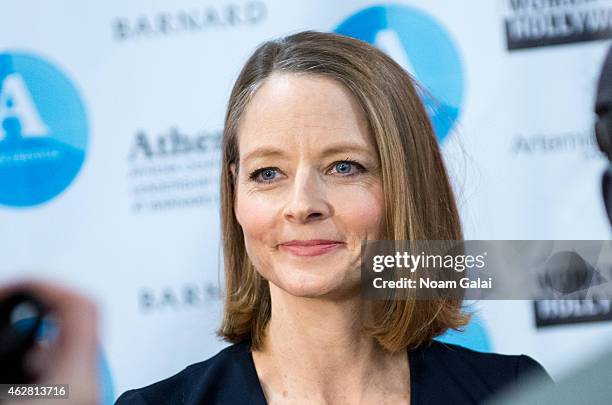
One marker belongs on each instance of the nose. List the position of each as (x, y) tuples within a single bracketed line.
[(307, 201)]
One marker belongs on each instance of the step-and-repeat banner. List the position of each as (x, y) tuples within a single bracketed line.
[(111, 115)]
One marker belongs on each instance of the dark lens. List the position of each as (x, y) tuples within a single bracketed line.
[(20, 322), (607, 191), (601, 136)]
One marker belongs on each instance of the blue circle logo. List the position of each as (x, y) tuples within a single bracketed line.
[(43, 130), (423, 47)]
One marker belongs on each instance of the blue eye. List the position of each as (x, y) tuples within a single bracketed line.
[(265, 175), (268, 174), (343, 167), (346, 167)]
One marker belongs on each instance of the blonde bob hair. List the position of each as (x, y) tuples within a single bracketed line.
[(418, 199)]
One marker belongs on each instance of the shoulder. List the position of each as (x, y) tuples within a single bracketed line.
[(211, 379), (469, 374), (493, 364)]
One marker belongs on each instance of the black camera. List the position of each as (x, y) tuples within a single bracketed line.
[(21, 320)]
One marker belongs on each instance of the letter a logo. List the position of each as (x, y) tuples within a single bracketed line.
[(16, 101), (43, 130), (424, 48)]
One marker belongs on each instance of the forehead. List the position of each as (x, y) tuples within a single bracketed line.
[(302, 111)]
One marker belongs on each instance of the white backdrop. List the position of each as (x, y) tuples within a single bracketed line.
[(137, 91)]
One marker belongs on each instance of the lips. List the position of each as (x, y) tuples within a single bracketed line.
[(311, 242), (313, 247)]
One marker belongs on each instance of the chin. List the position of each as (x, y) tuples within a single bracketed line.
[(306, 284)]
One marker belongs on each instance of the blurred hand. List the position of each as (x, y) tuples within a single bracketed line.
[(71, 358)]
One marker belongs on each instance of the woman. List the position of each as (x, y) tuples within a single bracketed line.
[(326, 144)]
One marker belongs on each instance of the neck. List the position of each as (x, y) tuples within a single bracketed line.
[(329, 330), (319, 348)]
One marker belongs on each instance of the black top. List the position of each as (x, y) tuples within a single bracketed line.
[(440, 373)]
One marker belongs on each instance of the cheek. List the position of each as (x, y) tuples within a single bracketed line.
[(256, 217), (361, 210)]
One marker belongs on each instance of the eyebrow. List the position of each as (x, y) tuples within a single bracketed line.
[(263, 152)]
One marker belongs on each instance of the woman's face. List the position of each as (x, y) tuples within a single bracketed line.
[(308, 188)]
